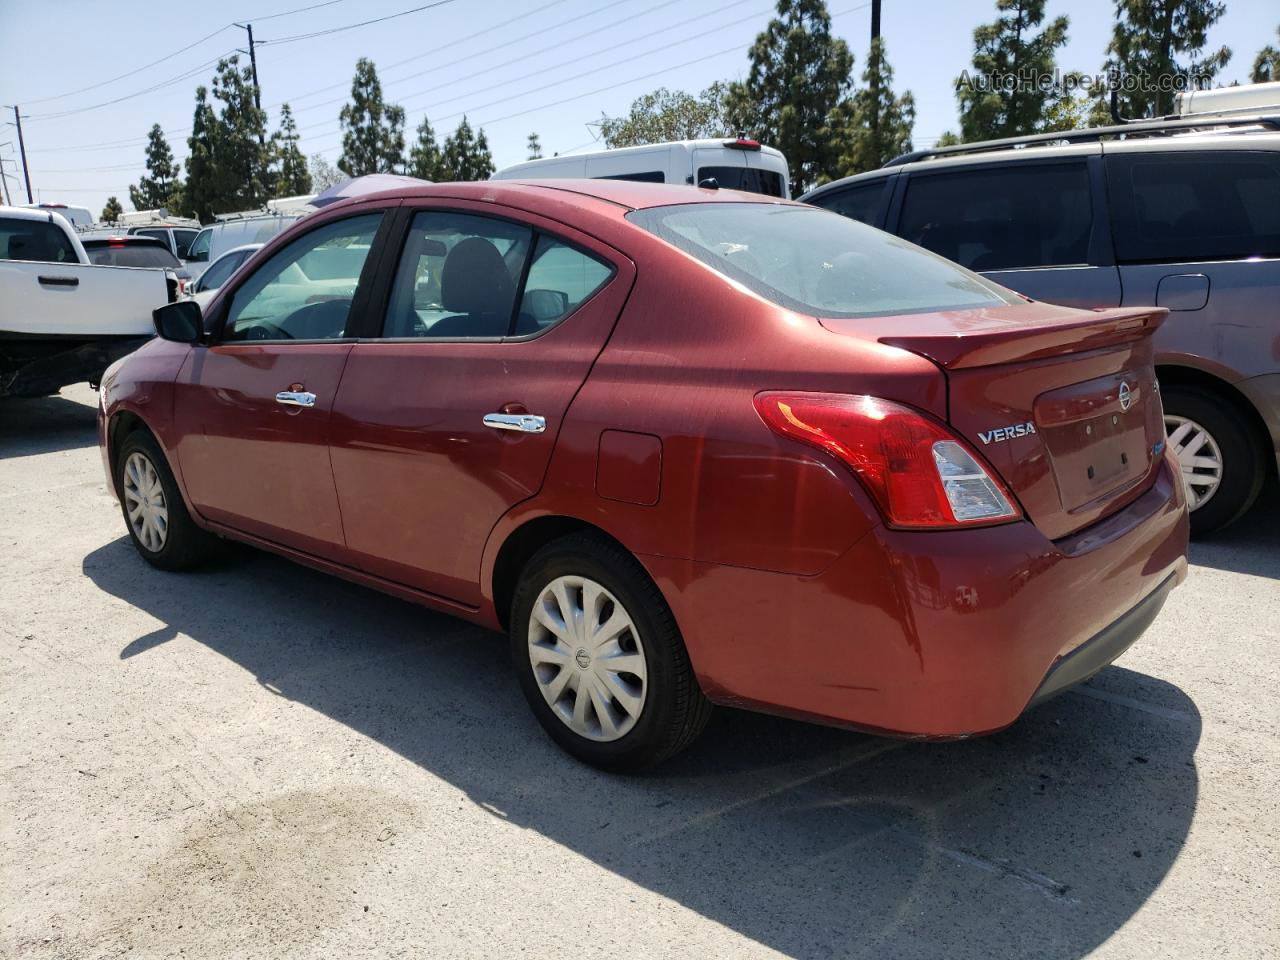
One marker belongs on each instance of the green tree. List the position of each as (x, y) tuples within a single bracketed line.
[(323, 173), (425, 160), (162, 182), (1266, 65), (949, 138), (799, 74), (1156, 44), (669, 115), (1001, 97), (111, 212), (372, 130), (204, 183), (535, 147), (466, 156), (875, 126), (292, 177), (241, 149)]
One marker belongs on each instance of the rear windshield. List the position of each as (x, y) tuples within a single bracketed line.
[(751, 179), (131, 255), (816, 262)]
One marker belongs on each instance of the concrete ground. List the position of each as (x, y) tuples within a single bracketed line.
[(260, 761)]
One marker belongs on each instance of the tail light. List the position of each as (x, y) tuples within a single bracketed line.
[(920, 474)]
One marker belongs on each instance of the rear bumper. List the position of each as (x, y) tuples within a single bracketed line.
[(932, 634)]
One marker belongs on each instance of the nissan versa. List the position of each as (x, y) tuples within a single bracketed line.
[(686, 446)]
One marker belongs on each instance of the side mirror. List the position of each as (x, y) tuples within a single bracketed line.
[(180, 321)]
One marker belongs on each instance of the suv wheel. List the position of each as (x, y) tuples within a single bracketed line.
[(1222, 463), (599, 657)]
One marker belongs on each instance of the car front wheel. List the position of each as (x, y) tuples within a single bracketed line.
[(600, 659), (159, 525)]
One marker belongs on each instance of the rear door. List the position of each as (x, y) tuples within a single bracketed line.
[(1035, 226), (1198, 232), (253, 409), (448, 414)]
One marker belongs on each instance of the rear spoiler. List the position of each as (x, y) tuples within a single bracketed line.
[(1004, 342)]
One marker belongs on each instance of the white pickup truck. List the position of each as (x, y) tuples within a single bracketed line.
[(63, 319)]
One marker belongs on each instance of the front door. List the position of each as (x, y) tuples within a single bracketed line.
[(253, 409), (449, 418)]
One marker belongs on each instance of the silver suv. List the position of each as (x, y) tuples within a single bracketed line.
[(1181, 213)]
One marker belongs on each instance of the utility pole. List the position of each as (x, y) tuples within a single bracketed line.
[(875, 19), (22, 149), (253, 68), (4, 179), (875, 77)]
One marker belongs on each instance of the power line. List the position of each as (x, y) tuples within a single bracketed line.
[(353, 26)]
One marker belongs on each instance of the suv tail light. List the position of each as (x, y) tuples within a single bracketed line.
[(920, 474)]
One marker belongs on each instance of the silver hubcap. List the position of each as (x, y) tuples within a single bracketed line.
[(144, 502), (587, 658), (1199, 457)]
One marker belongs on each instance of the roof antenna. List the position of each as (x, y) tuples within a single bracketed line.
[(1118, 120)]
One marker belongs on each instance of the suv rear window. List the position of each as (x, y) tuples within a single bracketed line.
[(1002, 217), (104, 253), (1208, 205), (819, 263), (751, 179), (37, 240)]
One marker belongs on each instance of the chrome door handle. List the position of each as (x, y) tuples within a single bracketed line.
[(523, 422), (296, 398)]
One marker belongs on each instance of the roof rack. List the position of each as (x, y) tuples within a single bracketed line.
[(1164, 125)]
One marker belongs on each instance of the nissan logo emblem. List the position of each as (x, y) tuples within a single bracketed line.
[(1126, 396)]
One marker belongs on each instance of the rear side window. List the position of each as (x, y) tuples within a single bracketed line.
[(860, 202), (221, 271), (561, 277), (751, 179), (457, 278), (814, 262), (648, 176), (37, 240), (131, 255), (1211, 205), (1002, 218)]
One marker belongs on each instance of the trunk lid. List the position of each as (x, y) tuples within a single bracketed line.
[(1062, 403)]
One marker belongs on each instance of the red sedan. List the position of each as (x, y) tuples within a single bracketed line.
[(685, 446)]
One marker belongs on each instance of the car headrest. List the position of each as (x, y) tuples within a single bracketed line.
[(475, 279)]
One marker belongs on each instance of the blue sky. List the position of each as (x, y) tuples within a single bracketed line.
[(550, 66)]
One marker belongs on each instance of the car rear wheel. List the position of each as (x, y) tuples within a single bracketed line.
[(159, 525), (600, 659), (1222, 463)]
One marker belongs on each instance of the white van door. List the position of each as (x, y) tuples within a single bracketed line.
[(644, 166)]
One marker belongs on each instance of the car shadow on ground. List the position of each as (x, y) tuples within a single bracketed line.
[(1251, 545), (1041, 840), (34, 425)]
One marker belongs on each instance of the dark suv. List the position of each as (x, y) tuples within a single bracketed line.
[(1183, 214)]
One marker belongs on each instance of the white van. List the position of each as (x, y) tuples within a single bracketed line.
[(733, 164), (235, 230)]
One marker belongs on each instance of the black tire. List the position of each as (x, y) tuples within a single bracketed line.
[(1243, 460), (674, 711), (185, 545)]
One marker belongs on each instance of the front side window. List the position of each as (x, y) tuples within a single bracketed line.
[(1211, 205), (1002, 218), (860, 202), (36, 240), (183, 239), (305, 291), (199, 250), (751, 179), (458, 277), (816, 262)]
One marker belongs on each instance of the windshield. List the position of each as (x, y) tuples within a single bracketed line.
[(130, 255), (821, 263)]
